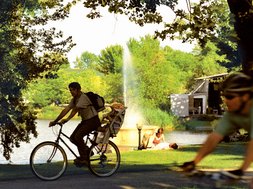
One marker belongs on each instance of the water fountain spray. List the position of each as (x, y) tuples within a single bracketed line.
[(133, 114)]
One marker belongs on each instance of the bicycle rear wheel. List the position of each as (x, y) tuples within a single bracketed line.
[(104, 159), (48, 161)]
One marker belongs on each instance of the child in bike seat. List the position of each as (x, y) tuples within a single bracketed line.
[(115, 108), (110, 117)]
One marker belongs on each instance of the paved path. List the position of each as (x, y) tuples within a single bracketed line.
[(134, 178)]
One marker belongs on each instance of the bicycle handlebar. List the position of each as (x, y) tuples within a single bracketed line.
[(59, 123)]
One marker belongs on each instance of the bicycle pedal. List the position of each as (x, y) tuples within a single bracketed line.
[(79, 164)]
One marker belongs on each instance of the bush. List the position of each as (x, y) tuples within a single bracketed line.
[(155, 116), (49, 112)]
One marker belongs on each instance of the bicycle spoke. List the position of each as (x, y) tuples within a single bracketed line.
[(48, 161), (105, 160)]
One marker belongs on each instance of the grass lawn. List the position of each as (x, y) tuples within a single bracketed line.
[(227, 155)]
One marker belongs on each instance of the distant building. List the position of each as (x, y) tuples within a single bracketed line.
[(203, 99)]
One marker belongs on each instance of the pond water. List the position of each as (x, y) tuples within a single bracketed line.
[(186, 137), (21, 155)]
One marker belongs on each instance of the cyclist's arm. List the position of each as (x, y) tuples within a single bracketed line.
[(72, 114), (223, 128), (60, 116), (212, 141), (248, 157)]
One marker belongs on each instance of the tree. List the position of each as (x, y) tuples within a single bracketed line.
[(86, 60), (27, 51), (200, 23), (243, 13), (113, 88), (156, 76), (207, 61), (110, 60)]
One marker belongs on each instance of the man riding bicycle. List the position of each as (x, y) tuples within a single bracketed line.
[(82, 105), (237, 91)]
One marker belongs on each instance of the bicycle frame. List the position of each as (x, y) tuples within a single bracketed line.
[(59, 138), (103, 158)]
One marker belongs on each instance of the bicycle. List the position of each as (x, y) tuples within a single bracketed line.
[(213, 178), (48, 159)]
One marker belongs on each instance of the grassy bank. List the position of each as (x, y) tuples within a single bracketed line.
[(51, 112), (154, 116)]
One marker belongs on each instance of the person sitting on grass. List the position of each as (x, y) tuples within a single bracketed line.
[(159, 137), (158, 141)]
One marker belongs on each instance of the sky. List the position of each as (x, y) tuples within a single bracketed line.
[(94, 35)]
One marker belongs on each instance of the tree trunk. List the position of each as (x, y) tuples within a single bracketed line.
[(243, 12)]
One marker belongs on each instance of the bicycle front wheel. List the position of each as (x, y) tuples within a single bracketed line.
[(104, 159), (48, 161)]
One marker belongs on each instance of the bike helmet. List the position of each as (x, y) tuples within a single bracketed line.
[(237, 83)]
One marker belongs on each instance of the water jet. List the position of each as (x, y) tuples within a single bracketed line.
[(128, 137)]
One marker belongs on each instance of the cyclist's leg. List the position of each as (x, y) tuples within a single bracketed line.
[(84, 128), (77, 138)]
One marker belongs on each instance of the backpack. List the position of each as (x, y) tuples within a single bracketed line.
[(97, 101)]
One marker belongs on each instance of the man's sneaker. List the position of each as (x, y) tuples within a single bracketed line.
[(80, 162), (235, 174), (188, 166)]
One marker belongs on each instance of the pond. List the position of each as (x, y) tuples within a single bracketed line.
[(21, 155), (186, 137)]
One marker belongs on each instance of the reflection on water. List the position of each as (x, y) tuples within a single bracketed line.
[(185, 137), (128, 139), (21, 155)]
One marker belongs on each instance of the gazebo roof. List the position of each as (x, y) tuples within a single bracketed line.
[(213, 76)]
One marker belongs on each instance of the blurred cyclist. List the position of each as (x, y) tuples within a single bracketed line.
[(237, 90)]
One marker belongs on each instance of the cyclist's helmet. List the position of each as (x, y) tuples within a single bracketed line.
[(237, 83)]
